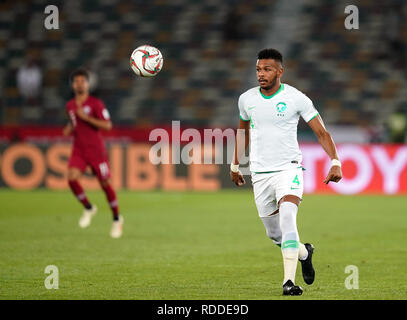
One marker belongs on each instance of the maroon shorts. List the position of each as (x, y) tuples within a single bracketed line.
[(99, 165)]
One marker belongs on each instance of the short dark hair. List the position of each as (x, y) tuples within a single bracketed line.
[(79, 72), (270, 54)]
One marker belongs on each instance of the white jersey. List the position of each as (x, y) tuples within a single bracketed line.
[(273, 126)]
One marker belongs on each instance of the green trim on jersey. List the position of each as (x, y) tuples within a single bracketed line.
[(313, 117), (251, 122), (277, 170), (242, 118), (269, 97), (268, 171)]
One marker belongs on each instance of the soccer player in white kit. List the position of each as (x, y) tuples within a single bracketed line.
[(269, 116)]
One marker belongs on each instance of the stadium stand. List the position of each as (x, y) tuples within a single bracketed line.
[(204, 44), (209, 49), (356, 76)]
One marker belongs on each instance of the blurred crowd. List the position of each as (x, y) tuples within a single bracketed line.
[(356, 78)]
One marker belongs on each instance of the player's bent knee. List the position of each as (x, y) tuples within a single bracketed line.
[(290, 198), (74, 174), (105, 183)]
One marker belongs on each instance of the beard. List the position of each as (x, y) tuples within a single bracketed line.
[(79, 91), (272, 84)]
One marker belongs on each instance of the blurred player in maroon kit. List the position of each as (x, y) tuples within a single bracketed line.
[(88, 116)]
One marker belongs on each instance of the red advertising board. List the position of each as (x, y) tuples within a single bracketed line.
[(366, 169), (374, 169)]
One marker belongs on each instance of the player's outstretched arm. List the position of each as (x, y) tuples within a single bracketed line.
[(241, 143), (327, 143), (67, 130)]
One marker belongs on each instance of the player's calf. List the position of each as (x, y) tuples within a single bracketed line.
[(111, 198), (272, 226), (290, 239), (79, 193)]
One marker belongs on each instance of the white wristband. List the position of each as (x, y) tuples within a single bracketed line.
[(234, 167), (335, 162)]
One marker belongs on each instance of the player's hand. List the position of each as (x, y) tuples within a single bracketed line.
[(237, 178), (334, 174), (67, 130), (81, 114)]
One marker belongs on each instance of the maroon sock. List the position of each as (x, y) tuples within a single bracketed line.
[(112, 199), (79, 193)]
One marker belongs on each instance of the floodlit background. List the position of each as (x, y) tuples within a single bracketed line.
[(357, 78), (181, 239)]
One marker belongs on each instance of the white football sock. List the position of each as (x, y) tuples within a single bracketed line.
[(303, 252), (290, 239), (272, 226)]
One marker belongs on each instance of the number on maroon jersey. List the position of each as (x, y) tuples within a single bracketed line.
[(104, 169)]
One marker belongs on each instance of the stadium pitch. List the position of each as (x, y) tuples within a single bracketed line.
[(196, 246)]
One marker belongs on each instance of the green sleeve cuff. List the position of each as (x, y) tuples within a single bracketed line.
[(313, 117), (242, 118)]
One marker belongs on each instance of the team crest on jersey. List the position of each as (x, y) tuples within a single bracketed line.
[(86, 109), (281, 107)]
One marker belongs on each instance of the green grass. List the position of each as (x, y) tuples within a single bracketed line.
[(196, 246)]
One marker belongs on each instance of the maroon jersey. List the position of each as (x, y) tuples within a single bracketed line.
[(87, 138)]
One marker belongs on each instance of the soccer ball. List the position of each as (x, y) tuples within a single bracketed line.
[(146, 61)]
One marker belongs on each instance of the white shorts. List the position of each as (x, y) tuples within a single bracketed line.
[(269, 188)]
